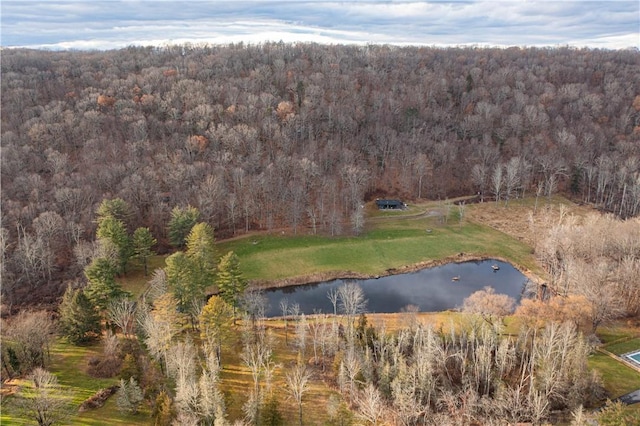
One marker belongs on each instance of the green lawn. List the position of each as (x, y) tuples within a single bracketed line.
[(387, 245), (616, 332), (391, 240), (618, 378), (68, 363), (624, 347), (617, 338), (135, 282)]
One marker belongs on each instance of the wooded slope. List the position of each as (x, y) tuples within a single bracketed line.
[(261, 137)]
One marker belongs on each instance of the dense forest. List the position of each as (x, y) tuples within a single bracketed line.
[(262, 137)]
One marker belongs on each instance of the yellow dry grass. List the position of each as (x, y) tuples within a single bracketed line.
[(522, 218), (237, 381)]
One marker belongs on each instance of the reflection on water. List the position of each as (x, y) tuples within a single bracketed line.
[(431, 290)]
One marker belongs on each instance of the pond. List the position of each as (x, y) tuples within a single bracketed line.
[(431, 290)]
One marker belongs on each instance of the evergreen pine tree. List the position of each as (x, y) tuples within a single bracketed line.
[(163, 411), (230, 280), (79, 321), (114, 230), (116, 208), (142, 243), (182, 220), (179, 273), (201, 252), (102, 286), (129, 396)]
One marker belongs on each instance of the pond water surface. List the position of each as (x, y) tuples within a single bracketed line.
[(431, 290)]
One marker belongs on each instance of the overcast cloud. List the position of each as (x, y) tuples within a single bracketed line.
[(612, 24)]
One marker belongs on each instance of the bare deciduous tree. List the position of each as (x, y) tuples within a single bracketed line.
[(297, 384), (43, 400), (160, 326), (370, 405), (302, 326), (511, 178), (211, 403), (122, 313), (333, 297), (497, 182), (352, 302), (488, 304), (181, 366), (29, 335), (284, 308)]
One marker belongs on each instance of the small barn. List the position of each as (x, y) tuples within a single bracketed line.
[(390, 204)]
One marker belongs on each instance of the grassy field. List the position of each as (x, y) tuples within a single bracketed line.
[(618, 379), (618, 338), (624, 347), (405, 240), (69, 363)]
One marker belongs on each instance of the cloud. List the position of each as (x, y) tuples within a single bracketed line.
[(119, 23)]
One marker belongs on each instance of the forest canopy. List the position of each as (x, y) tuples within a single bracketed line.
[(298, 136)]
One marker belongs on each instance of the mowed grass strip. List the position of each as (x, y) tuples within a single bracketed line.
[(69, 363), (624, 347), (387, 245)]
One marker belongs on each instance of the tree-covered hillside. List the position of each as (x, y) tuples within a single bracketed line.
[(298, 136)]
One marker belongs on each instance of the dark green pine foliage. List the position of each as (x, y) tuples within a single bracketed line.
[(143, 241), (182, 220), (79, 321), (112, 217), (190, 273), (230, 280), (102, 287), (115, 231), (180, 280), (201, 251), (116, 208)]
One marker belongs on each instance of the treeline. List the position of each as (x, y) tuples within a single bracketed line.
[(298, 136), (594, 268)]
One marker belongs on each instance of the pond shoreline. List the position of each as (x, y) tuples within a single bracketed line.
[(346, 275)]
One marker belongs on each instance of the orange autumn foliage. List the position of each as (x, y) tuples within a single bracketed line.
[(573, 308), (106, 101), (285, 110)]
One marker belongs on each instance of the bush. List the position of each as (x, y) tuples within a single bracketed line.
[(270, 413), (104, 368), (163, 411)]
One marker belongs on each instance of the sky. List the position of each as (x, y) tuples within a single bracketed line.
[(114, 24)]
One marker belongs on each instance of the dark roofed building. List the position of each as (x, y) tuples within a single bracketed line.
[(390, 204)]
